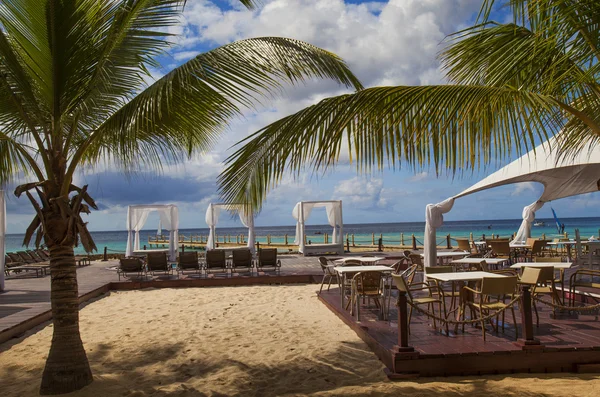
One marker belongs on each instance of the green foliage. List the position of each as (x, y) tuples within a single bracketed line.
[(512, 84)]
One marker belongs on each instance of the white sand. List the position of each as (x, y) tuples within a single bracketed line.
[(245, 341)]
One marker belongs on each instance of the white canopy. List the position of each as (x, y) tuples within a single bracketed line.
[(212, 218), (302, 211), (136, 219), (562, 176), (2, 237)]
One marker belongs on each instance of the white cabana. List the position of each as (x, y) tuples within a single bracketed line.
[(212, 218), (301, 213), (561, 176), (2, 238), (136, 219)]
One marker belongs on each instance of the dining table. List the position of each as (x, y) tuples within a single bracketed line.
[(344, 270), (441, 255), (473, 261), (364, 259), (461, 278)]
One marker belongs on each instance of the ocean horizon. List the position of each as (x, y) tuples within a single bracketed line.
[(116, 240)]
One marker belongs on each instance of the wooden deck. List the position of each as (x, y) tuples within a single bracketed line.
[(26, 301), (566, 345)]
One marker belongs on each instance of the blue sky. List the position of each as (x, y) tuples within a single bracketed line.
[(385, 43)]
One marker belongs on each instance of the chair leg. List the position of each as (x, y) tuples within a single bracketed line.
[(512, 309), (358, 309), (322, 283), (410, 310), (433, 311)]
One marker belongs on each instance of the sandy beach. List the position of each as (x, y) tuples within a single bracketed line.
[(240, 341)]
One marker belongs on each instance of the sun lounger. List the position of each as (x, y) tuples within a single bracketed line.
[(157, 263), (129, 266), (215, 262), (267, 260), (242, 261), (188, 262)]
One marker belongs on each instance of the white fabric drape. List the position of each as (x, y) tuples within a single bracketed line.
[(302, 211), (212, 218), (136, 219), (529, 211), (434, 218), (2, 237)]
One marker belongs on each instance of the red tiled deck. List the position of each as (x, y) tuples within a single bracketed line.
[(567, 345)]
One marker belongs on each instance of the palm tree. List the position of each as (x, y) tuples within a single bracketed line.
[(511, 85), (72, 78)]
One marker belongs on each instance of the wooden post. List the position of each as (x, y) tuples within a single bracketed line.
[(380, 245), (414, 242), (105, 257), (324, 238), (268, 239), (401, 304), (543, 236), (448, 242), (401, 238), (471, 236), (347, 243), (144, 247), (237, 239), (257, 246), (286, 239), (527, 318), (354, 245), (182, 248), (372, 238), (229, 237)]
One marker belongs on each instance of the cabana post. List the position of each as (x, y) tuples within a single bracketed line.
[(212, 218), (562, 176), (302, 211), (136, 219)]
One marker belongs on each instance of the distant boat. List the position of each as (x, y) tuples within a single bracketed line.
[(540, 223), (318, 232)]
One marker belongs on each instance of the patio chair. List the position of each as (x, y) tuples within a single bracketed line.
[(133, 265), (464, 244), (442, 291), (215, 262), (408, 275), (328, 273), (241, 261), (531, 277), (429, 300), (495, 288), (368, 285), (157, 263), (26, 258), (267, 260), (188, 262), (582, 278), (501, 249)]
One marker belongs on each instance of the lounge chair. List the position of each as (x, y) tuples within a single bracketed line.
[(241, 261), (188, 262), (215, 262), (157, 263), (133, 265), (27, 260), (267, 260)]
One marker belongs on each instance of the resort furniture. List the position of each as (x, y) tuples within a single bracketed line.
[(368, 285), (157, 263), (83, 260), (136, 218), (267, 260), (464, 244), (346, 273), (441, 256), (26, 258), (241, 261), (453, 294), (429, 300), (494, 288), (302, 211), (503, 249), (212, 219), (366, 260), (215, 262), (582, 278), (492, 262), (328, 273), (18, 267), (128, 266), (188, 262)]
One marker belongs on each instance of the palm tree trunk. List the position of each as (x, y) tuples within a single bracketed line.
[(67, 368)]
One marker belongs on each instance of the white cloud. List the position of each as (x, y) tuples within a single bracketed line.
[(361, 193), (524, 188), (418, 177)]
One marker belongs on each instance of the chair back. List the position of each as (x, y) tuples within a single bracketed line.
[(501, 248), (402, 285), (530, 241), (401, 265), (267, 257), (438, 269), (353, 262), (131, 264), (26, 257), (215, 259), (531, 275), (499, 285), (463, 244), (14, 257), (416, 259), (242, 258), (368, 282), (546, 275), (555, 259), (538, 247), (188, 259), (43, 254), (157, 261), (324, 264)]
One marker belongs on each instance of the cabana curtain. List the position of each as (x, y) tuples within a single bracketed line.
[(302, 211), (137, 215), (562, 176), (2, 238), (212, 218)]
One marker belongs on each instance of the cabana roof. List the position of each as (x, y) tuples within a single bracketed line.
[(562, 176)]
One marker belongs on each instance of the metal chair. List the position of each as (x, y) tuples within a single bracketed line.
[(328, 273)]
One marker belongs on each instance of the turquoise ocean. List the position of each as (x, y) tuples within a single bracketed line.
[(115, 241)]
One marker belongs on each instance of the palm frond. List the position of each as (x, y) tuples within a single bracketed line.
[(186, 109), (453, 127)]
